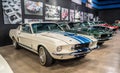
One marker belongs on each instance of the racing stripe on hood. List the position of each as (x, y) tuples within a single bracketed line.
[(79, 38), (83, 38)]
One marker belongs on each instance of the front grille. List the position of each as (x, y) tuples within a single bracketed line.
[(110, 35), (114, 30), (80, 46), (104, 36)]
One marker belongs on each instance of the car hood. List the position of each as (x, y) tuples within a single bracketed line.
[(88, 34), (100, 32), (67, 37), (90, 37), (96, 32), (109, 26)]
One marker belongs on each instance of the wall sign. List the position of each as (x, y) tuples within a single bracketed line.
[(32, 20), (64, 14), (77, 15), (12, 11), (77, 1), (81, 16), (52, 12), (72, 15), (33, 7)]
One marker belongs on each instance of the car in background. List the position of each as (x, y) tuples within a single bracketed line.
[(114, 28), (100, 33), (33, 7), (6, 7), (15, 19), (9, 11), (11, 3), (50, 42), (4, 1), (116, 24), (111, 28), (16, 8)]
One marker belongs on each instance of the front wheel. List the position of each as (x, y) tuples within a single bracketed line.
[(100, 44), (44, 56)]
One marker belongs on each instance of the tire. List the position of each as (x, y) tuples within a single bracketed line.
[(15, 44), (83, 56), (44, 56), (100, 44)]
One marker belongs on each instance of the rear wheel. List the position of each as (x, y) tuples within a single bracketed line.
[(44, 56)]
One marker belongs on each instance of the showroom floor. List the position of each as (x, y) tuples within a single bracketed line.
[(103, 60)]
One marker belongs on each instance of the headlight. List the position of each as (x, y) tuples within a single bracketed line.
[(59, 49)]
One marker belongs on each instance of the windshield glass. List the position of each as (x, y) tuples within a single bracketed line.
[(75, 25), (86, 23), (98, 28), (64, 26), (42, 27), (101, 22)]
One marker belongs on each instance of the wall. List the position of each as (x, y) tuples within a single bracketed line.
[(109, 15), (4, 28)]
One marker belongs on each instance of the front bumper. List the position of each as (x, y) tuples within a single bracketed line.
[(104, 38), (76, 53)]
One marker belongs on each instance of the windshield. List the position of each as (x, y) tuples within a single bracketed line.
[(86, 23), (98, 28), (42, 27), (75, 25), (64, 26), (101, 22)]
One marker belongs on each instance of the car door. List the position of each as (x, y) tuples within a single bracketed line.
[(25, 36)]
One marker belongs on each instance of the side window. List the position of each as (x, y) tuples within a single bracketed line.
[(26, 28)]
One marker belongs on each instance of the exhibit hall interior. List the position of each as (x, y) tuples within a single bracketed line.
[(59, 36)]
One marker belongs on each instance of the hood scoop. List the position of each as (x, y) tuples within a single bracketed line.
[(69, 34)]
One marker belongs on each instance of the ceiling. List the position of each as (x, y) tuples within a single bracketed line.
[(103, 4)]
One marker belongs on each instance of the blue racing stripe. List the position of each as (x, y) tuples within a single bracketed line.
[(77, 39), (81, 39), (88, 38)]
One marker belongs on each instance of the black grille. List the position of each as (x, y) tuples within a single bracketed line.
[(104, 36), (80, 46), (114, 30)]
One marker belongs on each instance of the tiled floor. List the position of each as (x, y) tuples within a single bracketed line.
[(103, 60)]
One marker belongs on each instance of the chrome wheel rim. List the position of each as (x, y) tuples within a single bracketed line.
[(42, 55)]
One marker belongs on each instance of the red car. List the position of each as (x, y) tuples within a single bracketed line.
[(113, 28)]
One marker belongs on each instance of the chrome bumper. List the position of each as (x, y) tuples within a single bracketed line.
[(77, 53)]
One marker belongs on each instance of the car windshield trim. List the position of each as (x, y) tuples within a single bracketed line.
[(76, 25), (45, 27)]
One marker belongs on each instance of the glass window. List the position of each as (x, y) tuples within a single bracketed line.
[(64, 26), (26, 28), (41, 27)]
